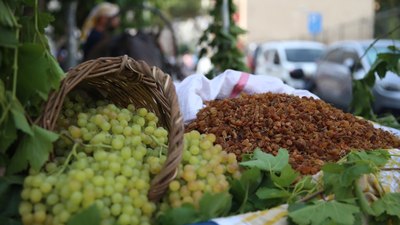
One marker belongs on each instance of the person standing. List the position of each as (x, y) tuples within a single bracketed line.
[(97, 30)]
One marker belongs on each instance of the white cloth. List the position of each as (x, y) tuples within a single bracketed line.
[(194, 90)]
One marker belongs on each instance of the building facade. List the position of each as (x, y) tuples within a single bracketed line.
[(267, 20)]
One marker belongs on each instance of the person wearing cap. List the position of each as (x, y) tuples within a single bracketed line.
[(97, 29)]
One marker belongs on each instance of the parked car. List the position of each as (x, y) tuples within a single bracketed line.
[(281, 57), (344, 61)]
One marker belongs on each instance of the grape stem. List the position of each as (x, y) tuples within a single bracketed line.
[(157, 142), (64, 134), (164, 146), (311, 196), (66, 162)]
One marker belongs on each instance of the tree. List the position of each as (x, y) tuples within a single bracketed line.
[(387, 18), (221, 39)]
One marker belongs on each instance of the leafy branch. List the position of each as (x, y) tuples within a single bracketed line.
[(221, 41), (29, 73), (339, 200), (363, 97)]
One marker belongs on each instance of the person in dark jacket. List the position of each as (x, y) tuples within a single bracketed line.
[(97, 30)]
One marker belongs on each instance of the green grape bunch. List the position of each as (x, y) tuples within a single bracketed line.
[(106, 157), (205, 168)]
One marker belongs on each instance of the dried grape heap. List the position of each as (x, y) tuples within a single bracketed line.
[(313, 131)]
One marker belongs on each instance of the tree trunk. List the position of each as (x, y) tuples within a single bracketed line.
[(72, 39)]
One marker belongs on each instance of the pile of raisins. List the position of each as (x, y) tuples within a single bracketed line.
[(312, 130)]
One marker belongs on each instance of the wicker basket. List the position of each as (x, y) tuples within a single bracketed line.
[(124, 81)]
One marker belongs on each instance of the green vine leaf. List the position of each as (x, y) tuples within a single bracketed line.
[(214, 205), (286, 177), (389, 204), (33, 150), (6, 16), (8, 38), (237, 30), (185, 214), (268, 162), (89, 216), (241, 189), (363, 99), (38, 73), (8, 134), (271, 193), (322, 212), (221, 43), (20, 121), (44, 19), (378, 157)]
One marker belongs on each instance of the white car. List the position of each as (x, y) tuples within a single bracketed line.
[(281, 57)]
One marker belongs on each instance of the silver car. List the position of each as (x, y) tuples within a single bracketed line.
[(342, 61)]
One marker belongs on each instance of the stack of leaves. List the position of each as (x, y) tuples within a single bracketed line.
[(269, 181)]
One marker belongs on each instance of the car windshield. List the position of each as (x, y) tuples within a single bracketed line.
[(302, 54), (373, 52)]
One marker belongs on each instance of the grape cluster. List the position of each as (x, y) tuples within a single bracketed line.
[(204, 168), (114, 153)]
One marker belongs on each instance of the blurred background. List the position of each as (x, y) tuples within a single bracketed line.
[(263, 20), (322, 46)]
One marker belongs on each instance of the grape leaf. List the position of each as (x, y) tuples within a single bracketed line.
[(89, 216), (357, 164), (389, 203), (10, 192), (268, 162), (19, 117), (214, 205), (33, 149), (389, 62), (29, 2), (44, 20), (185, 214), (363, 97), (6, 16), (325, 212), (339, 178), (210, 206), (270, 193), (38, 72), (28, 33), (286, 177), (241, 189), (354, 172), (378, 157), (8, 134), (8, 38)]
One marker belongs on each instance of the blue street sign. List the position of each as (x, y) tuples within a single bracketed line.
[(314, 23)]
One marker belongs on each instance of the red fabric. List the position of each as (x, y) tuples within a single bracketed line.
[(244, 77)]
